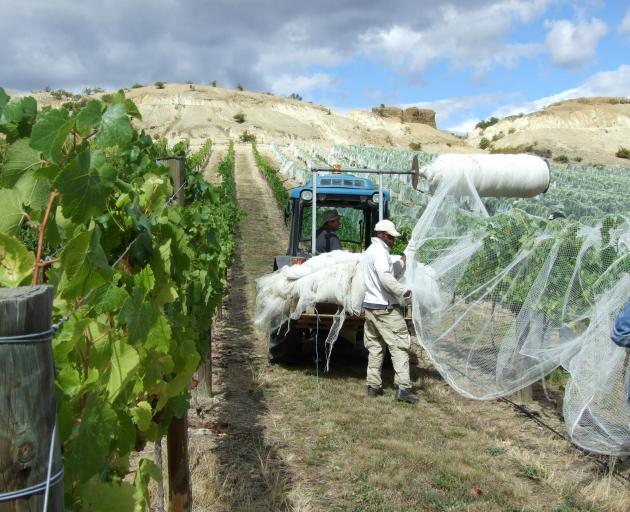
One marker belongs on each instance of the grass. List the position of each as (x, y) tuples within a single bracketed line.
[(447, 454)]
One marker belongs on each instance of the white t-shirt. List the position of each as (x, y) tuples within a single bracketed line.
[(379, 268)]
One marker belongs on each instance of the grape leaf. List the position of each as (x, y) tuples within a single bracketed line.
[(17, 117), (89, 117), (16, 262), (68, 380), (64, 342), (130, 106), (107, 496), (33, 192), (137, 315), (142, 415), (124, 361), (84, 265), (20, 158), (89, 450), (145, 279), (11, 211), (160, 335), (112, 300), (115, 127), (50, 133), (84, 191)]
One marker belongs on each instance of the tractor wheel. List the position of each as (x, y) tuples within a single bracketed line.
[(283, 346)]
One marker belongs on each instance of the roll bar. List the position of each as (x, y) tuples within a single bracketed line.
[(414, 172)]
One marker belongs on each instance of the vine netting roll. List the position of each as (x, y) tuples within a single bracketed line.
[(516, 298)]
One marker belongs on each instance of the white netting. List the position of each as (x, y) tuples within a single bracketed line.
[(521, 297), (498, 303)]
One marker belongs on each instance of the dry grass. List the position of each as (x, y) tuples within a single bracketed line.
[(448, 453)]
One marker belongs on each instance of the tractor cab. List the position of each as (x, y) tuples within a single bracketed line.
[(355, 199)]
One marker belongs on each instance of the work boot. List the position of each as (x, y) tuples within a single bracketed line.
[(405, 395), (374, 392)]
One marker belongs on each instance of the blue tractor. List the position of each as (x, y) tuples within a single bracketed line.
[(361, 205)]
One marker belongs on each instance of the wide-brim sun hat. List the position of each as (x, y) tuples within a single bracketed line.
[(386, 226), (331, 215)]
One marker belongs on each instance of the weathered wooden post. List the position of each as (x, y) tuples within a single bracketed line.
[(204, 373), (177, 165), (31, 470), (179, 485)]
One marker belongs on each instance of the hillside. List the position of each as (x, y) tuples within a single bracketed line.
[(198, 112), (586, 129), (592, 129)]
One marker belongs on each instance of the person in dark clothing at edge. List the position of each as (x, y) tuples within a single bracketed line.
[(620, 334), (327, 239)]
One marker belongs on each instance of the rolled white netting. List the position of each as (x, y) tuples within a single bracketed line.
[(498, 301)]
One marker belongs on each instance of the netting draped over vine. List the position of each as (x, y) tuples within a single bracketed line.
[(520, 297)]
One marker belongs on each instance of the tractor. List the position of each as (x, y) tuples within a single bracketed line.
[(361, 205)]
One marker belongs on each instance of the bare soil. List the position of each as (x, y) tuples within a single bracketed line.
[(293, 438)]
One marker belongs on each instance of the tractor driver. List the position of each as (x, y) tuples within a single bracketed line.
[(327, 239)]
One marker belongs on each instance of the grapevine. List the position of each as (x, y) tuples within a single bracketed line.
[(86, 208)]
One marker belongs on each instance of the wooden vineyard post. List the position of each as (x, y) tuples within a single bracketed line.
[(28, 436), (177, 165), (204, 384), (179, 486)]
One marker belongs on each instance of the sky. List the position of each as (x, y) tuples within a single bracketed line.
[(466, 59)]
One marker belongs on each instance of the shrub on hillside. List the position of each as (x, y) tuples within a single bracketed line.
[(239, 117), (136, 86), (213, 83), (542, 152), (484, 143), (240, 87), (159, 85), (484, 124), (623, 153), (247, 137), (60, 94), (561, 159), (415, 146)]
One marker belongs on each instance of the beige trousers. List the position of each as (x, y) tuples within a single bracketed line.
[(387, 328)]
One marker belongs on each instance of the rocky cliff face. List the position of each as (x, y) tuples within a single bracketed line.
[(586, 129), (408, 115)]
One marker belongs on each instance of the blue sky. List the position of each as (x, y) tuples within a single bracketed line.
[(467, 59)]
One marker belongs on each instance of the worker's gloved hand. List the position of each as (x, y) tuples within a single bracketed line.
[(407, 297)]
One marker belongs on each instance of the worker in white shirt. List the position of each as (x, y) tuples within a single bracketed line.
[(385, 324)]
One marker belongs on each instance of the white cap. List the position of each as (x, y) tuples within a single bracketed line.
[(386, 226)]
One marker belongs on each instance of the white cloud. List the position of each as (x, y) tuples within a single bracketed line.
[(301, 84), (467, 36), (574, 45), (606, 83), (624, 26)]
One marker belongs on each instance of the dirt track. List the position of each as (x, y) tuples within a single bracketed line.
[(247, 471), (267, 441)]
